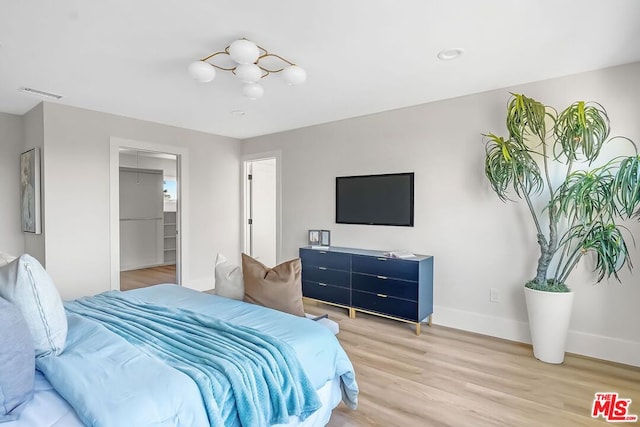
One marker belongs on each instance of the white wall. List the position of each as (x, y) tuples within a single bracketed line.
[(478, 242), (77, 159), (34, 244), (11, 145)]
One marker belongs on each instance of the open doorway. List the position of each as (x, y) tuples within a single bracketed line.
[(148, 218), (181, 153), (261, 208)]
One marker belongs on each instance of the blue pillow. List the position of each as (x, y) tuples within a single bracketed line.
[(17, 362), (26, 284)]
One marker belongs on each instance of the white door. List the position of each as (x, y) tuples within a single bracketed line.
[(261, 206)]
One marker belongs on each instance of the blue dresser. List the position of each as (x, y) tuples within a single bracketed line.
[(367, 281)]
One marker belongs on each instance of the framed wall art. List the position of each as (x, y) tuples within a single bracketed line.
[(30, 191)]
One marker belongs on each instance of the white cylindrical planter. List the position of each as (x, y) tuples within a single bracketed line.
[(549, 316)]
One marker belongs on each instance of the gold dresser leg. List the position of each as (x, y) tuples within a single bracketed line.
[(352, 313), (418, 328), (429, 321)]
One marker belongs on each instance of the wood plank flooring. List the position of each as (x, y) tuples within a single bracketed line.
[(447, 377), (141, 278)]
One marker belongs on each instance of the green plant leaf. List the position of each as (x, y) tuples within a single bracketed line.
[(526, 117), (586, 195), (607, 241), (581, 129), (509, 164), (626, 186)]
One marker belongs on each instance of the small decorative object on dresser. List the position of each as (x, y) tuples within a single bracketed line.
[(325, 238), (369, 282), (314, 237)]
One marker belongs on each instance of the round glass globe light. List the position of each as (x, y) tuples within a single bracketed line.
[(253, 91), (244, 51), (294, 75), (248, 73), (202, 71)]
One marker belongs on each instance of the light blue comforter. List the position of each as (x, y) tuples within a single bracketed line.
[(190, 366)]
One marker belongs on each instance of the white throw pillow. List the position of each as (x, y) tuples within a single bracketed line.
[(26, 284), (5, 258), (229, 281), (17, 362)]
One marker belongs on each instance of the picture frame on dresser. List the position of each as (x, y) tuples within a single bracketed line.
[(325, 238), (314, 237)]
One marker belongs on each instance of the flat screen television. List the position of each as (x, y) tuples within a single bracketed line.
[(375, 199)]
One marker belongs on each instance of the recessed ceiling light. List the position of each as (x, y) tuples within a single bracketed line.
[(238, 113), (449, 54), (40, 93)]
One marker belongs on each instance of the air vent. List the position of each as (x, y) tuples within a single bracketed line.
[(39, 93)]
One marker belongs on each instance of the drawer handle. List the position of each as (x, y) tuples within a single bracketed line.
[(323, 252), (322, 268), (382, 295), (382, 259), (322, 284), (382, 277)]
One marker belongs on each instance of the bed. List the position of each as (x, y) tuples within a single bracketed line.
[(112, 374)]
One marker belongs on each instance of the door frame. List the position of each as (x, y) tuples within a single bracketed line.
[(244, 202), (182, 242)]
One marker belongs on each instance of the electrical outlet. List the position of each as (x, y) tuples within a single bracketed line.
[(494, 295)]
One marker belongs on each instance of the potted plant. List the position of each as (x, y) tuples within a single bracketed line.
[(583, 208)]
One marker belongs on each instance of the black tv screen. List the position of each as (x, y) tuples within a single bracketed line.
[(375, 199)]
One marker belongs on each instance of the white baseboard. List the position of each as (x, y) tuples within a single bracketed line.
[(597, 346), (139, 267), (601, 347)]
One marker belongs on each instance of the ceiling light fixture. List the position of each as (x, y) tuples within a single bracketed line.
[(449, 54), (249, 67)]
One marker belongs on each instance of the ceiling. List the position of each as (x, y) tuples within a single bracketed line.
[(130, 57)]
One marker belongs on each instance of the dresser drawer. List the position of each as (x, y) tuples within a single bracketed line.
[(390, 306), (324, 275), (327, 293), (320, 258), (387, 267), (383, 285)]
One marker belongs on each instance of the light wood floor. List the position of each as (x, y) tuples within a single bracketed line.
[(447, 377), (141, 278)]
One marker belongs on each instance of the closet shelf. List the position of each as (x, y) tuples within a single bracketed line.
[(170, 236)]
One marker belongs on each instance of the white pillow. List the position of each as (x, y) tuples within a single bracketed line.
[(17, 362), (229, 281), (26, 284), (5, 258)]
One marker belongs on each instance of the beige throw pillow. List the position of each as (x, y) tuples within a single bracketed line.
[(279, 287)]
